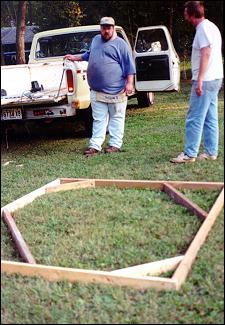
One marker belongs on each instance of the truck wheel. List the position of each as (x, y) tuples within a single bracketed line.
[(88, 121), (145, 99)]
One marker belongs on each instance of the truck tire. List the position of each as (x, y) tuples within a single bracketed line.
[(88, 121), (145, 99)]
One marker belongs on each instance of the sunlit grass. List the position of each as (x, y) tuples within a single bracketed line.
[(85, 229), (107, 229)]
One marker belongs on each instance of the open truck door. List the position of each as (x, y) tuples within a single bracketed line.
[(157, 63)]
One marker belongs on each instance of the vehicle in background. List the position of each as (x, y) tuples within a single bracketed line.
[(50, 87)]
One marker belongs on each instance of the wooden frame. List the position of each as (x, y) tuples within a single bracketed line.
[(140, 276)]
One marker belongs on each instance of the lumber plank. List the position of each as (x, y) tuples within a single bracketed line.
[(180, 198), (71, 180), (55, 273), (21, 245), (151, 184), (185, 265), (28, 198), (71, 186), (120, 183), (153, 268), (196, 185)]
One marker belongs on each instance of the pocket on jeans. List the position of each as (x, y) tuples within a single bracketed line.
[(213, 85), (93, 95)]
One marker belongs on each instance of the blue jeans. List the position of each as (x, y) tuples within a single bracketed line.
[(107, 114), (202, 117)]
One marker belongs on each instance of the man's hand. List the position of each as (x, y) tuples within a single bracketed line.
[(129, 88), (198, 88), (73, 57), (69, 57)]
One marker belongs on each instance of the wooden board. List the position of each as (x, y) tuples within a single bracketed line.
[(18, 239), (153, 268), (55, 273), (71, 186), (28, 198), (191, 253), (121, 183), (179, 198)]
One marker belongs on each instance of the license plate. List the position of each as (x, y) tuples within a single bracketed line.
[(11, 114)]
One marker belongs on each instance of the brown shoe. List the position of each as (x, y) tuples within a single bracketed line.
[(91, 152), (112, 149)]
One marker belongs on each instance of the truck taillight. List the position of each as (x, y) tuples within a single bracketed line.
[(70, 83)]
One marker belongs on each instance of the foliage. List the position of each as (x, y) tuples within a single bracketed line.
[(8, 13), (129, 14), (134, 14), (45, 14), (57, 14)]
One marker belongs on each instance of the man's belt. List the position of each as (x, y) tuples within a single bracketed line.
[(108, 98)]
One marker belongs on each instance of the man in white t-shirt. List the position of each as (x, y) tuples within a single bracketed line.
[(207, 75)]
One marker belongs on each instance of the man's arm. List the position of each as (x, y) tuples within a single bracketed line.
[(129, 88), (205, 55), (73, 57)]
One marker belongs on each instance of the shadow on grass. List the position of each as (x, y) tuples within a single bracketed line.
[(25, 132), (14, 134)]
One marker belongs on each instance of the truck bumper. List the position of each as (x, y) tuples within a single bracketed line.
[(40, 112)]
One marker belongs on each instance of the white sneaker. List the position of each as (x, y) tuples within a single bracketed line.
[(182, 158), (205, 156)]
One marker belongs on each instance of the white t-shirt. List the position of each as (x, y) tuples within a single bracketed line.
[(207, 35)]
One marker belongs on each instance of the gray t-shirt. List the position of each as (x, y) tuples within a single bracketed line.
[(109, 63)]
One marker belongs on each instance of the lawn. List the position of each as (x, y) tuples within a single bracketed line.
[(110, 228)]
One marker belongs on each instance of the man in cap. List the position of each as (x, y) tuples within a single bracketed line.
[(111, 79)]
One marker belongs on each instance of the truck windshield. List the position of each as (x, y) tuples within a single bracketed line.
[(60, 45)]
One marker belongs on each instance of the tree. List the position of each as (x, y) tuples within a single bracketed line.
[(54, 14), (20, 33), (2, 56), (128, 14), (8, 13), (45, 14)]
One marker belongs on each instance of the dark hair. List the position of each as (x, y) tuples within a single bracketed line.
[(195, 8)]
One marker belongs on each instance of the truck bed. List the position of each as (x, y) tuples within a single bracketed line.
[(16, 80)]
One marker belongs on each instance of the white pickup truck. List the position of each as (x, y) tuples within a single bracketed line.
[(49, 87)]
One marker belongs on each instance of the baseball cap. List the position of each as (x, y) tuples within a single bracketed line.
[(107, 21)]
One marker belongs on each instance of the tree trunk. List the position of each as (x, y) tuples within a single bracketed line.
[(171, 16), (20, 33), (30, 12), (2, 55)]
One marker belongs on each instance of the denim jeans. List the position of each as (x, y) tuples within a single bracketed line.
[(107, 114), (202, 117)]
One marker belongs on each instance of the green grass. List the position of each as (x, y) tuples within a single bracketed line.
[(110, 228), (87, 230)]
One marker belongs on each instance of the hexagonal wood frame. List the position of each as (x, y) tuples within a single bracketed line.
[(140, 276)]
